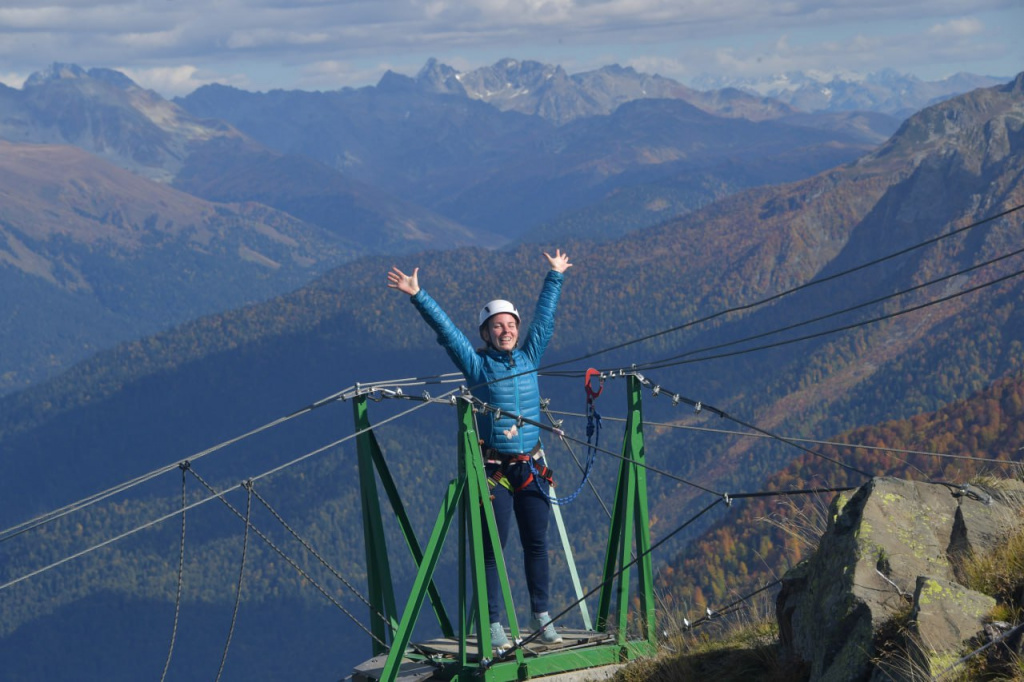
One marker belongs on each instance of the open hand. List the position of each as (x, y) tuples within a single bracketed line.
[(407, 284), (559, 262)]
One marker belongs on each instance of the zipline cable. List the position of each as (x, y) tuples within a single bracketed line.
[(661, 364), (677, 360), (837, 444), (787, 292), (998, 640), (319, 557), (836, 313), (164, 517), (127, 485), (95, 498), (711, 614), (699, 406), (66, 510)]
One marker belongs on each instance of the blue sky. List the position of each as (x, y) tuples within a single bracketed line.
[(175, 46)]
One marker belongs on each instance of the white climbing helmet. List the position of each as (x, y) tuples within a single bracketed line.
[(498, 305)]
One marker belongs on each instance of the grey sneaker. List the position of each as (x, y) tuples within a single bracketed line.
[(542, 622), (498, 638)]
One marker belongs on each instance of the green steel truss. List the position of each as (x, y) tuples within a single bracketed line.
[(463, 501)]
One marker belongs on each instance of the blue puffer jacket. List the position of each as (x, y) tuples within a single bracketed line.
[(488, 371)]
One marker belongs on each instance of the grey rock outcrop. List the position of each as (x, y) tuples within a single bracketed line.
[(893, 548), (944, 614)]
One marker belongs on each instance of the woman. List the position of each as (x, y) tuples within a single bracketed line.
[(503, 375)]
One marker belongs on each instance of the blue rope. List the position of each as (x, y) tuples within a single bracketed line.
[(593, 430)]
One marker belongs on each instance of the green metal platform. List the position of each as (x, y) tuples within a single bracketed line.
[(455, 654), (434, 659)]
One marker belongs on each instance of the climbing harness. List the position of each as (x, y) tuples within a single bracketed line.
[(536, 473), (506, 461)]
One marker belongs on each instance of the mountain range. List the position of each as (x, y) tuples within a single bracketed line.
[(125, 213), (886, 91), (469, 160), (549, 91), (842, 298)]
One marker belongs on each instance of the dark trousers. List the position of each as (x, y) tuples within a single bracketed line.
[(532, 511)]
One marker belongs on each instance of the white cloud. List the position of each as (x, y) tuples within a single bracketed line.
[(958, 28), (13, 80), (335, 74), (173, 81), (149, 40), (28, 18), (273, 37), (504, 11), (668, 67)]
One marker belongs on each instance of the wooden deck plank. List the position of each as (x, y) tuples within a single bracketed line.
[(571, 638), (408, 671)]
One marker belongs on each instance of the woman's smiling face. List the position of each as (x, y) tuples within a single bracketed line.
[(502, 331)]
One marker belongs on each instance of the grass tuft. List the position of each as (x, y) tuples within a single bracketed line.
[(735, 649)]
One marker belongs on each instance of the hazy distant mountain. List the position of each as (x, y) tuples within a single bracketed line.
[(647, 156), (427, 141), (307, 189), (150, 403), (885, 91), (105, 113), (428, 160), (546, 90), (91, 255)]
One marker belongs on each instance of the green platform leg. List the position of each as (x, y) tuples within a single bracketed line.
[(629, 519), (380, 583)]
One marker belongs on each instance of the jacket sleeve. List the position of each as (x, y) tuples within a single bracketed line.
[(542, 326), (454, 342)]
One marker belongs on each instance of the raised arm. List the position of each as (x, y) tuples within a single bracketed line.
[(542, 326), (454, 342)]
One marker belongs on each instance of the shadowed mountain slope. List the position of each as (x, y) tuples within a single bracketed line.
[(91, 255)]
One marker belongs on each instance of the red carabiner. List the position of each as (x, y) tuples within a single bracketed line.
[(591, 393)]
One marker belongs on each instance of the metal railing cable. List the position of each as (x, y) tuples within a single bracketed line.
[(241, 580), (814, 441), (164, 517), (250, 488), (180, 581)]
